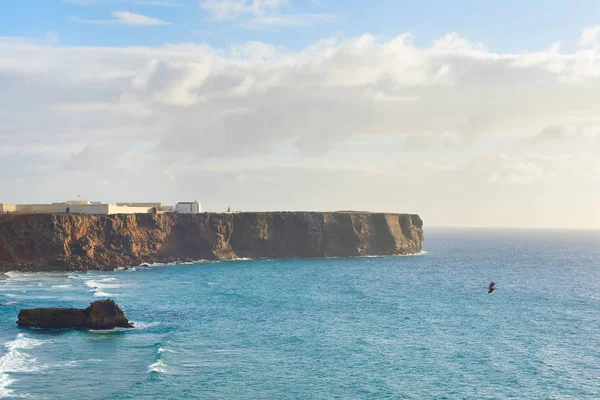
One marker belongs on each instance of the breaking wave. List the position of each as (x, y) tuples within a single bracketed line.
[(103, 284), (61, 286), (144, 325), (15, 361), (99, 285), (157, 367), (422, 253), (102, 294)]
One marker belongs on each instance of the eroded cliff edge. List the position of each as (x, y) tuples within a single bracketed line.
[(80, 242)]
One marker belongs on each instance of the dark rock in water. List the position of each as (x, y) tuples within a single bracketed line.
[(101, 314)]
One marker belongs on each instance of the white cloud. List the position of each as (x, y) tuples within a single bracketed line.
[(518, 172), (125, 18), (261, 14), (590, 37), (233, 9), (52, 37), (273, 21), (556, 132), (161, 3), (158, 121)]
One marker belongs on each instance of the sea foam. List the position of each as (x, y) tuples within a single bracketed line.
[(144, 325), (61, 287), (103, 284), (99, 285), (14, 360), (157, 367), (102, 294)]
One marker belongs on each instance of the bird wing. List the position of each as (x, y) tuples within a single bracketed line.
[(492, 284)]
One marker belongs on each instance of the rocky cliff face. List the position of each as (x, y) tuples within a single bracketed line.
[(80, 242)]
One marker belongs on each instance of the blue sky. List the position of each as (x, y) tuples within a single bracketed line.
[(470, 113), (504, 26)]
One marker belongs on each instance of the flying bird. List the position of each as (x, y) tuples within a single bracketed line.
[(492, 287)]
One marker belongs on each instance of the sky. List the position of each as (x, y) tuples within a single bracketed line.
[(469, 113)]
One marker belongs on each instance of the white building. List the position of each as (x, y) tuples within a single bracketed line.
[(95, 207), (192, 207), (76, 207)]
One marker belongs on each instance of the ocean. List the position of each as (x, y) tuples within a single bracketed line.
[(403, 327)]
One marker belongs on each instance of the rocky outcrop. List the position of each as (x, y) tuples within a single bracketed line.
[(79, 242), (101, 314)]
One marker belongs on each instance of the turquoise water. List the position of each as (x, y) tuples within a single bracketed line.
[(417, 327)]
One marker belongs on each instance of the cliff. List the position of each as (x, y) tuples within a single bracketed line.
[(37, 242)]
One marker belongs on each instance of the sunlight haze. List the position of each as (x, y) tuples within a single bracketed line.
[(467, 113)]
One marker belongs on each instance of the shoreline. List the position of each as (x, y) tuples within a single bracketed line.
[(134, 267)]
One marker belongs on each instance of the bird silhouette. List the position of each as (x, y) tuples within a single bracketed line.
[(492, 287)]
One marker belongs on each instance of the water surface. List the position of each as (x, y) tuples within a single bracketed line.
[(383, 327)]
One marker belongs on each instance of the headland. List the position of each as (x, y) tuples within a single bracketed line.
[(69, 242)]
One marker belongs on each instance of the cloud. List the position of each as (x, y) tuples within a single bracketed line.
[(124, 18), (161, 3), (233, 9), (52, 37), (255, 96), (261, 14), (590, 37), (167, 122), (274, 21), (556, 132), (518, 173)]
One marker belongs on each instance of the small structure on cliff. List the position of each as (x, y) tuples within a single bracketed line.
[(190, 207), (101, 314), (97, 208)]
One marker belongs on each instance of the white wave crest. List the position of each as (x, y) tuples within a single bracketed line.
[(422, 253), (126, 269), (22, 342), (15, 360), (101, 284), (163, 350), (61, 286), (102, 294), (158, 367), (9, 303), (144, 325), (35, 276), (15, 274), (71, 363), (103, 331)]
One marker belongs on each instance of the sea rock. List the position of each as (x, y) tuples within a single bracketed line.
[(101, 314), (75, 242)]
